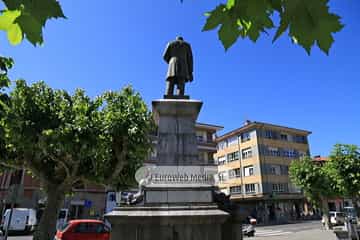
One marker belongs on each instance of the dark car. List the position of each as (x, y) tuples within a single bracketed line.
[(83, 230)]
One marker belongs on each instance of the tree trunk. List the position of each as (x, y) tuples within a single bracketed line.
[(325, 212), (47, 226)]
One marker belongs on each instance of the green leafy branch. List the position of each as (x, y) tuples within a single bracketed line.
[(27, 18), (307, 22)]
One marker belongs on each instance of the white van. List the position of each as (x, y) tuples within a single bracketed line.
[(22, 220)]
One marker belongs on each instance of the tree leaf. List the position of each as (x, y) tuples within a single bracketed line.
[(31, 28), (13, 4), (43, 10), (228, 33), (14, 34), (7, 18), (284, 24), (215, 18), (311, 22), (230, 4)]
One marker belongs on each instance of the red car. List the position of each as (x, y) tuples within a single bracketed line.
[(84, 230)]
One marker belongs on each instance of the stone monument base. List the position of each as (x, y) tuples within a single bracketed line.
[(166, 222)]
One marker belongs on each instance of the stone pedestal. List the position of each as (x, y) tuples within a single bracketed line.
[(167, 223), (183, 210), (176, 120)]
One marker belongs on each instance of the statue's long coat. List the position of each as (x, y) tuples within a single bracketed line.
[(178, 55)]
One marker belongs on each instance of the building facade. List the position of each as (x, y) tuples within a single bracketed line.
[(253, 168)]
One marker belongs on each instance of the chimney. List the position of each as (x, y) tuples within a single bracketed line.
[(247, 122)]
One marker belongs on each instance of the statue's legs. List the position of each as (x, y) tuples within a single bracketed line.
[(180, 87), (169, 87)]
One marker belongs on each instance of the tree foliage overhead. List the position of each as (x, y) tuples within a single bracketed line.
[(27, 18), (307, 22)]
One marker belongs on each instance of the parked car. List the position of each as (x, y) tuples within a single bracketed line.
[(84, 229), (337, 218), (22, 220)]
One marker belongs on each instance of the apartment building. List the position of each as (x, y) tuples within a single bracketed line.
[(253, 168)]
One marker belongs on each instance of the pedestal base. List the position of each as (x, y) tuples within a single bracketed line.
[(167, 223), (177, 143)]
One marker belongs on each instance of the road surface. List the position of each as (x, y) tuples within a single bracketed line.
[(310, 230)]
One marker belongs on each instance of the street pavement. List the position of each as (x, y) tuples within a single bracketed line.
[(309, 230), (20, 238)]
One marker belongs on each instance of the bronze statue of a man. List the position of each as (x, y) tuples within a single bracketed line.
[(178, 55)]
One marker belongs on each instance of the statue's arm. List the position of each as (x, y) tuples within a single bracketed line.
[(166, 54)]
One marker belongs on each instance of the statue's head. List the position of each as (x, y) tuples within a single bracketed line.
[(179, 38)]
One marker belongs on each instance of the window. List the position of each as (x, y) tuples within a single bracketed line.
[(200, 138), (245, 137), (284, 170), (249, 171), (275, 169), (302, 154), (89, 228), (300, 139), (284, 137), (201, 156), (222, 145), (153, 153), (233, 141), (274, 151), (209, 137), (210, 157), (289, 153), (278, 187), (234, 173), (221, 160), (270, 134), (233, 156), (81, 228), (250, 188), (235, 189), (246, 153), (112, 198), (222, 176)]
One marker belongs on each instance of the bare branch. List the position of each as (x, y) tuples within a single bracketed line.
[(9, 165)]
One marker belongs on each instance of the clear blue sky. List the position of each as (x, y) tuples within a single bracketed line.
[(107, 44)]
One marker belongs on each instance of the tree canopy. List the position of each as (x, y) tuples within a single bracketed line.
[(313, 179), (65, 139), (344, 169), (337, 177), (307, 22)]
